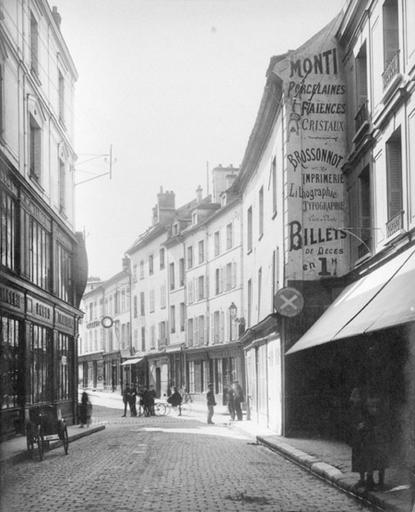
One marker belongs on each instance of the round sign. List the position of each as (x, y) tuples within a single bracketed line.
[(107, 322), (288, 302)]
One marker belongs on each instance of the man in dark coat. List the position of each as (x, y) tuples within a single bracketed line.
[(175, 400)]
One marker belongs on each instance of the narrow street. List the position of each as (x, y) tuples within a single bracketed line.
[(166, 464)]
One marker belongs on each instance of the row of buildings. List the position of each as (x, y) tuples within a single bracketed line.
[(295, 275), (43, 264)]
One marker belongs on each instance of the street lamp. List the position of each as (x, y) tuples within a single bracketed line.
[(232, 316)]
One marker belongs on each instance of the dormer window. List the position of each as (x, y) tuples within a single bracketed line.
[(194, 218), (175, 228)]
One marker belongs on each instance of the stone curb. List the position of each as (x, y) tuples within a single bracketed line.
[(328, 472), (23, 455)]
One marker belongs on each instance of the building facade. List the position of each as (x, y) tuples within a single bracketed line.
[(365, 337), (43, 262)]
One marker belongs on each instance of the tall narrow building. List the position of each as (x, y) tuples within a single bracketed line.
[(43, 261)]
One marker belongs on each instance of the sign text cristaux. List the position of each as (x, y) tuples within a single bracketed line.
[(315, 106)]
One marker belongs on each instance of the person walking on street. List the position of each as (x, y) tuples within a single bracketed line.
[(210, 399), (132, 401), (125, 399), (230, 398), (238, 399), (152, 399), (175, 400), (85, 410)]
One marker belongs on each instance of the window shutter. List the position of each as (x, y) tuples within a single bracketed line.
[(222, 326), (394, 164)]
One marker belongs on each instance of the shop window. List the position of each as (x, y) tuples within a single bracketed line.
[(64, 365), (11, 363), (40, 356), (8, 235)]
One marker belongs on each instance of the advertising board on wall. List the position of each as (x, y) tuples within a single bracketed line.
[(315, 141)]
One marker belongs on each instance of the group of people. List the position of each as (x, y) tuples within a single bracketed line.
[(234, 399), (370, 438), (146, 399)]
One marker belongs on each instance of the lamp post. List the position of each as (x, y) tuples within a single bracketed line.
[(232, 315)]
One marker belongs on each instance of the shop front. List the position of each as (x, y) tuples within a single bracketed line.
[(112, 371), (38, 356), (264, 374), (219, 364), (364, 339)]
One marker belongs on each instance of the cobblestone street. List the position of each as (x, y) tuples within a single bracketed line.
[(166, 464)]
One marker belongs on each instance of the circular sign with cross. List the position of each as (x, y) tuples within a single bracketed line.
[(288, 302)]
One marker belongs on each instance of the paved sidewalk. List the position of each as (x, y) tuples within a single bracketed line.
[(331, 460), (15, 450)]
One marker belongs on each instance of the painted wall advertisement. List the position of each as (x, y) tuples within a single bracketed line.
[(315, 110)]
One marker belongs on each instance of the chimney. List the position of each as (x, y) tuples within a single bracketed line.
[(56, 16), (199, 194), (126, 264), (165, 208)]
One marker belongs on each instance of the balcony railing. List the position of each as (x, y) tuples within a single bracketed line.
[(362, 116), (394, 224), (391, 70)]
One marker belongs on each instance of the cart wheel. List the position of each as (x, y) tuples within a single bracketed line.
[(29, 441), (40, 444), (65, 439), (160, 409)]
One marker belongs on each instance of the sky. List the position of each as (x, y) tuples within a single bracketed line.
[(174, 87)]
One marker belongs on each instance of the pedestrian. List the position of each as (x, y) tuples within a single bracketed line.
[(175, 400), (152, 398), (375, 440), (125, 399), (370, 439), (230, 398), (210, 399), (85, 411), (238, 399), (356, 434), (132, 398), (140, 395)]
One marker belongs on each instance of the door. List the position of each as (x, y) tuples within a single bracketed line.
[(274, 386)]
